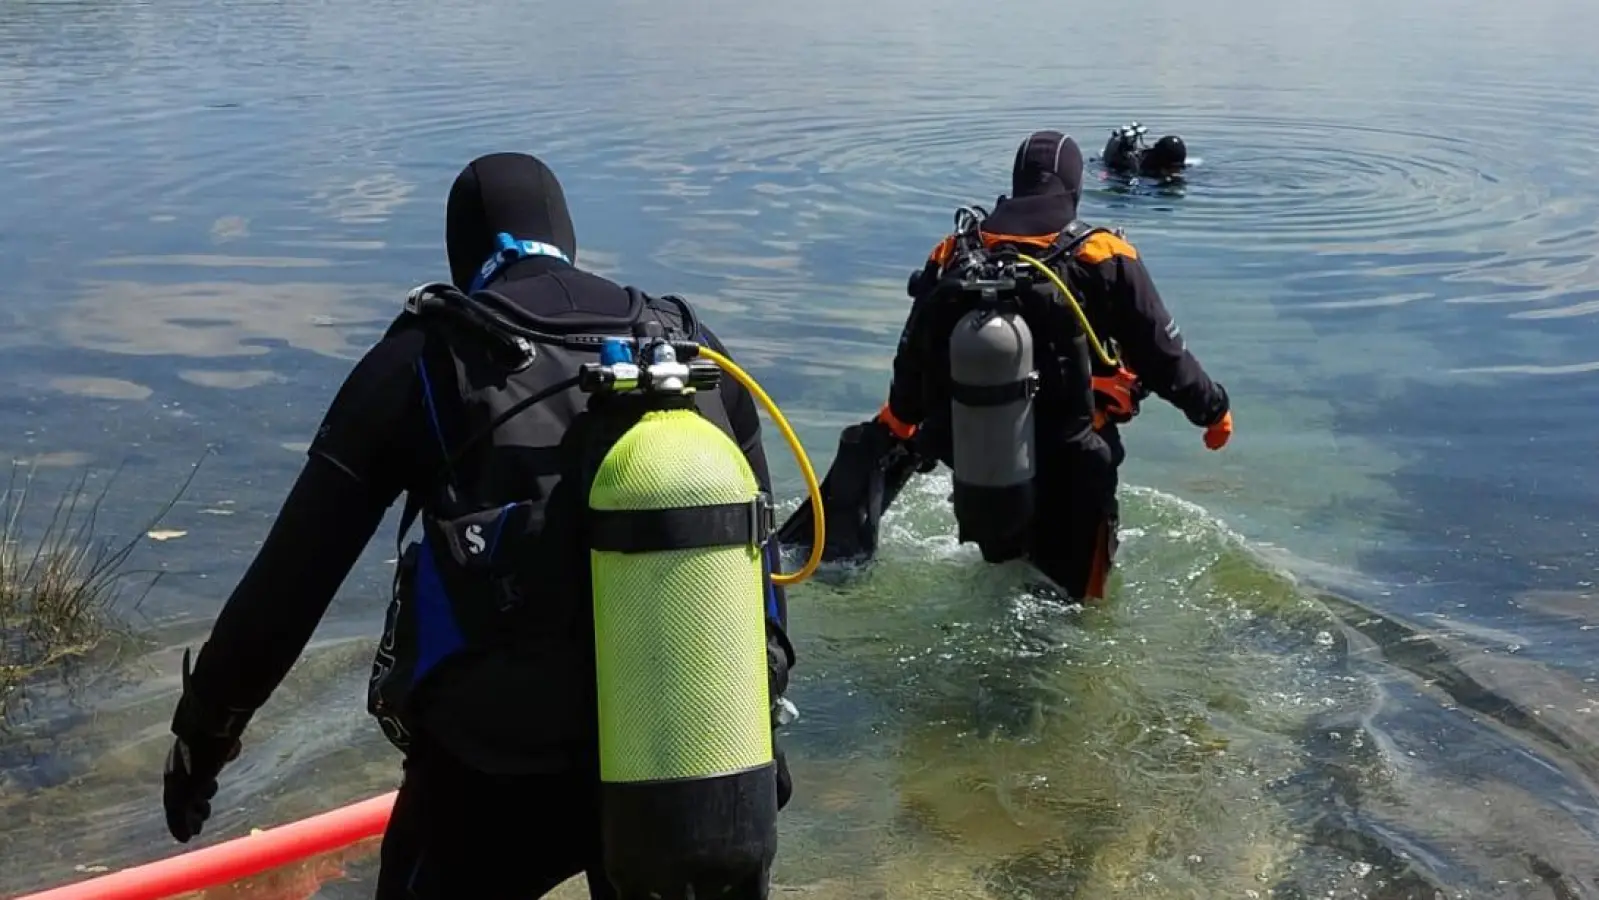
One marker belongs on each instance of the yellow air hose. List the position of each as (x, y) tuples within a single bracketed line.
[(818, 519), (1082, 317)]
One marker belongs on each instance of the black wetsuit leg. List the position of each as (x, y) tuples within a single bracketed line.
[(1075, 547), (1074, 535), (457, 832)]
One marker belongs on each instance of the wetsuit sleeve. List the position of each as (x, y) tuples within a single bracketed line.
[(906, 392), (1154, 348), (746, 422), (358, 463)]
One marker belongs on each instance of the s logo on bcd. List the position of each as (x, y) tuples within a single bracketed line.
[(474, 539)]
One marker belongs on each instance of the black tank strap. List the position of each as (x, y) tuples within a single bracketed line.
[(682, 528), (994, 394)]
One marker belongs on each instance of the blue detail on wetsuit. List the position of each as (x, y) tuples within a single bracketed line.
[(510, 251), (499, 526), (438, 634), (769, 565), (433, 412)]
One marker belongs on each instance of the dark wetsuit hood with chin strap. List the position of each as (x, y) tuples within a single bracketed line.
[(510, 193), (1046, 185), (1049, 164)]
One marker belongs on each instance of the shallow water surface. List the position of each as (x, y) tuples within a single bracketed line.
[(1352, 655)]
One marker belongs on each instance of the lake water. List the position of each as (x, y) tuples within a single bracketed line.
[(1352, 655)]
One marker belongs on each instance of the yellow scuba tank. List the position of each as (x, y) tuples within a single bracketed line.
[(676, 526)]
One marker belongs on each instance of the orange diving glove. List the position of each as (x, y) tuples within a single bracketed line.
[(1217, 435)]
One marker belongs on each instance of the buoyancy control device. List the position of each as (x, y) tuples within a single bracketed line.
[(674, 526)]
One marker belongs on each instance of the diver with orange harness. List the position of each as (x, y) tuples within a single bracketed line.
[(1032, 338)]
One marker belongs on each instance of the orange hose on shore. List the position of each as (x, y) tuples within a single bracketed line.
[(232, 860)]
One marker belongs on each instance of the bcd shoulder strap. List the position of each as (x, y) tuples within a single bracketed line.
[(689, 330), (1071, 237)]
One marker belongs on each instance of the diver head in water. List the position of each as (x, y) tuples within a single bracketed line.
[(1168, 156), (1127, 154)]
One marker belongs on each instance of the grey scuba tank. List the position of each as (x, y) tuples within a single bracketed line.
[(993, 382)]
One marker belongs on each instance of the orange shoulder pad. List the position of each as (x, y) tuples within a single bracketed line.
[(1102, 245), (1041, 241), (942, 252)]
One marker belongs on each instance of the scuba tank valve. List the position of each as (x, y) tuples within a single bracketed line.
[(647, 363)]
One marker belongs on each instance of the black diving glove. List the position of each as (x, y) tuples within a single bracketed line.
[(924, 445), (207, 740), (916, 446)]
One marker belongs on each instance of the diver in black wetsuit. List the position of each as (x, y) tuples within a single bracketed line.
[(1126, 154), (499, 798)]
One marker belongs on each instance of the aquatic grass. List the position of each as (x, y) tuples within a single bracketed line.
[(57, 588)]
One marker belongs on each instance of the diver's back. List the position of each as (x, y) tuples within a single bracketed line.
[(1119, 154)]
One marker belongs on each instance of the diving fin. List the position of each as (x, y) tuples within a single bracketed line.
[(868, 473)]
